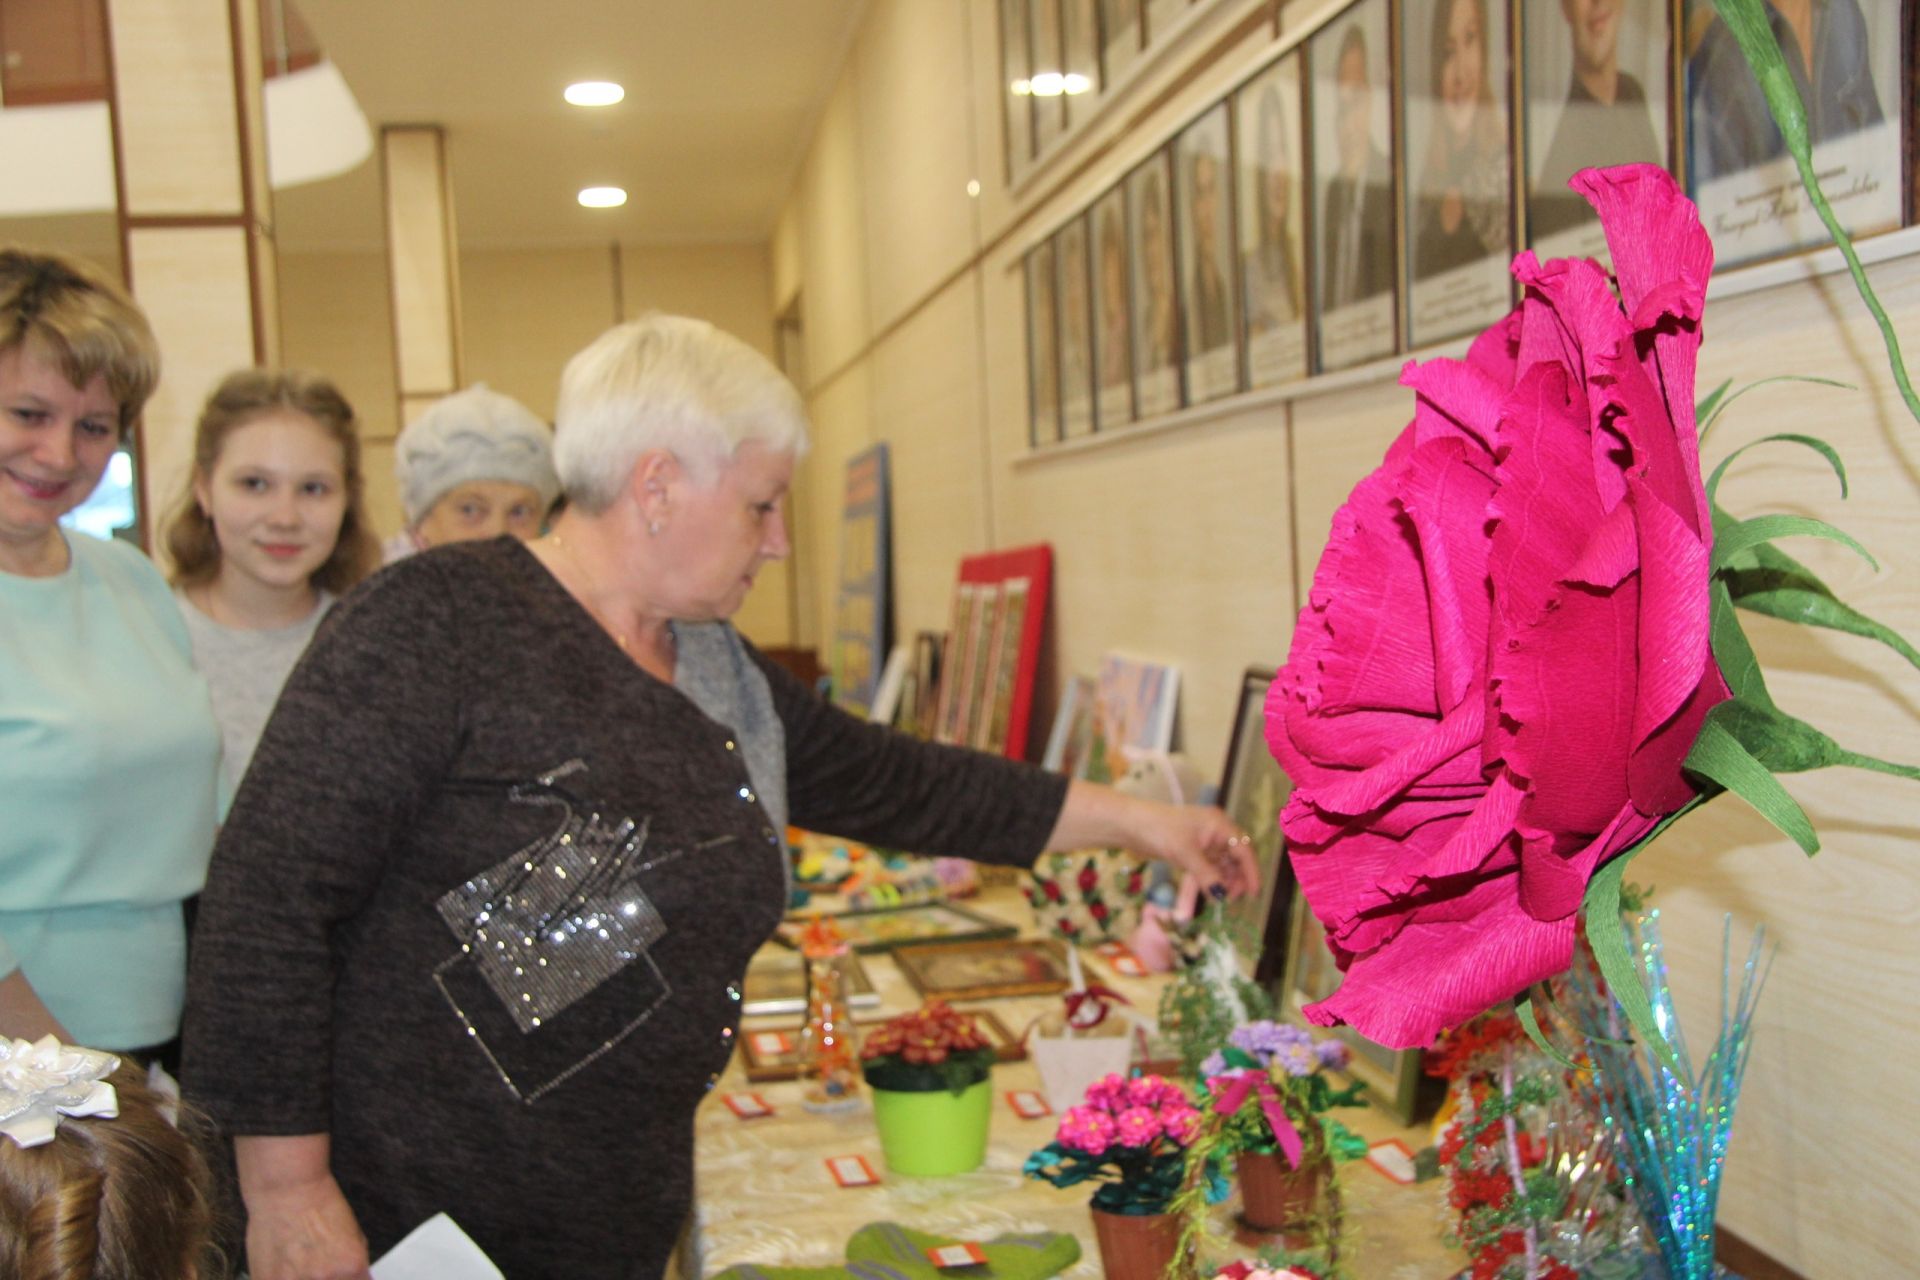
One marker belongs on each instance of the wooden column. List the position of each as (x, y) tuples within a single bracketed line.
[(195, 213), (423, 267)]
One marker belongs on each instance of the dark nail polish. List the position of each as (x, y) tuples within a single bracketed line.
[(1219, 892)]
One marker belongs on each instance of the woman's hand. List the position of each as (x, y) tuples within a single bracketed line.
[(299, 1226), (1200, 840)]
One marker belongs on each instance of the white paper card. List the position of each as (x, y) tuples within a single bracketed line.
[(437, 1249)]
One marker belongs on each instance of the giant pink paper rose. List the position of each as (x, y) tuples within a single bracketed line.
[(1504, 657)]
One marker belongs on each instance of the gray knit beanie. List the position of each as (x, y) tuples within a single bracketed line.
[(476, 434)]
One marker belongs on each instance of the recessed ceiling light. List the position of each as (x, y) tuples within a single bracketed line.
[(594, 93), (602, 197)]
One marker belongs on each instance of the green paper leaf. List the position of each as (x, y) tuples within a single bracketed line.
[(1765, 579), (1718, 755), (1747, 20), (1530, 1023), (1753, 532), (1785, 744), (1707, 409), (1735, 657), (1814, 443), (1724, 405), (1607, 935)]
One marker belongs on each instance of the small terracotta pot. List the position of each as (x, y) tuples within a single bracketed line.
[(1275, 1197), (1136, 1246)]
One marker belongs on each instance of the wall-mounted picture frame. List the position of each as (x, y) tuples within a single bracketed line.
[(1209, 302), (1049, 107), (1074, 281), (1351, 114), (863, 605), (1120, 41), (1155, 287), (1112, 313), (1738, 171), (1016, 77), (1458, 139), (1043, 348), (868, 932), (776, 983), (1595, 89), (1252, 791), (1270, 170), (1080, 60), (985, 970), (773, 1053), (1392, 1075)]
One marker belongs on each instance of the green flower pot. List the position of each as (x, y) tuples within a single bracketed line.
[(929, 1135)]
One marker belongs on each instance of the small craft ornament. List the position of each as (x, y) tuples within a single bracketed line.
[(43, 1080)]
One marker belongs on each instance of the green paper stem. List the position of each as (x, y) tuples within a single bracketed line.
[(1814, 443), (1747, 19), (1613, 952), (1715, 405), (1530, 1023), (1765, 579)]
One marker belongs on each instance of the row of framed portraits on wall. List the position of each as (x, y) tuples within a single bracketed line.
[(1058, 59), (1364, 192)]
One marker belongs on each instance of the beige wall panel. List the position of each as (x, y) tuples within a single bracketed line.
[(728, 285), (525, 312), (192, 283), (926, 406), (833, 234), (421, 266), (173, 63), (842, 418), (1171, 547), (1820, 1174), (335, 320), (784, 257), (915, 128), (1337, 440)]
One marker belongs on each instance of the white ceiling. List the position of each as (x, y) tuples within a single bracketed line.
[(722, 97)]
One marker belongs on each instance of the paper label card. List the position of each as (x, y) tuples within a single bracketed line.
[(772, 1044), (1027, 1104), (748, 1106), (852, 1171), (1392, 1159), (957, 1255)]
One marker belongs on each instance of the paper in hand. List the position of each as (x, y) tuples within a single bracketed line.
[(437, 1249)]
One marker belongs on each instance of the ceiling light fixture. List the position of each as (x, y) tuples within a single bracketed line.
[(1022, 88), (594, 93), (1074, 82), (602, 197), (1048, 84)]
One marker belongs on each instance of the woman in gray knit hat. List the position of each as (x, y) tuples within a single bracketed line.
[(475, 465)]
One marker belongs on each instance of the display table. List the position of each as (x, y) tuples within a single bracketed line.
[(763, 1193)]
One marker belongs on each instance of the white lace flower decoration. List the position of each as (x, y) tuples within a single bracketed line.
[(42, 1080)]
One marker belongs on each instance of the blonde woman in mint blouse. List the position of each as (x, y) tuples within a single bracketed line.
[(108, 750)]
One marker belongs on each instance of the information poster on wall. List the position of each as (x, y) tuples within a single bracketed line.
[(862, 615)]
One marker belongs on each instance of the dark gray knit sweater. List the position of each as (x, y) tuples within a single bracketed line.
[(483, 894)]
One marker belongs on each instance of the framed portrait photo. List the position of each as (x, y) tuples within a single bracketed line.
[(1846, 58), (1112, 313), (1016, 79), (1458, 211), (985, 970), (1156, 303), (1043, 347), (1076, 329), (1252, 790), (1595, 93), (1268, 154), (1048, 101), (1209, 304), (1355, 215), (1080, 45), (1119, 37)]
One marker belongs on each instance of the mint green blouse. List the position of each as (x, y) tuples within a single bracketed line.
[(108, 760)]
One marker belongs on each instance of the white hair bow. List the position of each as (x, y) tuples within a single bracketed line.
[(42, 1080)]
